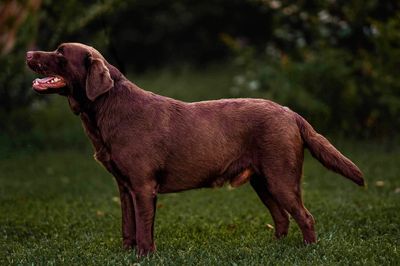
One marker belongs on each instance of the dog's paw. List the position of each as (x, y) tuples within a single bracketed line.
[(128, 244), (142, 251), (310, 240)]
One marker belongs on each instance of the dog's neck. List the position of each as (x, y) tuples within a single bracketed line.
[(124, 97)]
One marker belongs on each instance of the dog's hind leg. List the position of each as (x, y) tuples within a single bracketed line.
[(279, 215), (284, 186)]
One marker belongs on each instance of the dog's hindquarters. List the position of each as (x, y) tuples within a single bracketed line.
[(281, 160), (278, 179)]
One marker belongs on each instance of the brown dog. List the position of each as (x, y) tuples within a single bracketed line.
[(154, 144)]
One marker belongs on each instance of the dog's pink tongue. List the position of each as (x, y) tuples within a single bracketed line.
[(43, 80)]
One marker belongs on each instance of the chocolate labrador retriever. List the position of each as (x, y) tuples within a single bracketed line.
[(154, 144)]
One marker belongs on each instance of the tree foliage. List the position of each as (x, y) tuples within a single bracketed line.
[(333, 61)]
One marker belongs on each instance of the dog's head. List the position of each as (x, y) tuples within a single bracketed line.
[(73, 69)]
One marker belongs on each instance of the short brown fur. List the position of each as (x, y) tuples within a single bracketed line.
[(154, 144)]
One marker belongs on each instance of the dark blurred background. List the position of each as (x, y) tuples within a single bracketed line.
[(335, 62)]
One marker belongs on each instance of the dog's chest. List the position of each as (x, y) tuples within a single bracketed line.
[(101, 152)]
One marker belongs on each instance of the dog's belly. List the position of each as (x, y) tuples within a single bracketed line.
[(213, 181), (235, 173)]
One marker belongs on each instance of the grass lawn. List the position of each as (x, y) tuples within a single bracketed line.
[(58, 206), (62, 207)]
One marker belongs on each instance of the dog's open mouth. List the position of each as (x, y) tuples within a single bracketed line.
[(43, 84)]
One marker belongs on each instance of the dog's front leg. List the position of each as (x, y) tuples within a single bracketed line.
[(145, 206), (128, 217)]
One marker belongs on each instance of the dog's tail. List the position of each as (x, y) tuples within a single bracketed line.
[(327, 154)]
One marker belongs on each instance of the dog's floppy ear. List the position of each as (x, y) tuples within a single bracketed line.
[(98, 79)]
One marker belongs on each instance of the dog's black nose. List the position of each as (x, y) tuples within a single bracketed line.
[(29, 55)]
